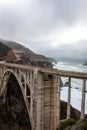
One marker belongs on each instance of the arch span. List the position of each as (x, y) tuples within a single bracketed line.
[(21, 84)]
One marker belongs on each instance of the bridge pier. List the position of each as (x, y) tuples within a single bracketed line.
[(45, 102)]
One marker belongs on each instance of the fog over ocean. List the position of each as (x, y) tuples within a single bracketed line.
[(76, 84)]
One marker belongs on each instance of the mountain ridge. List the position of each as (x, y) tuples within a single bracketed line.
[(24, 55)]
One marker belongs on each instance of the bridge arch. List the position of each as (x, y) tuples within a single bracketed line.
[(43, 92), (19, 77)]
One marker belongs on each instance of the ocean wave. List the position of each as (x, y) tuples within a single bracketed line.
[(70, 66), (76, 84)]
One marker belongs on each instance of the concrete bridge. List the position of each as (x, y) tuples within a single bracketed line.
[(43, 101)]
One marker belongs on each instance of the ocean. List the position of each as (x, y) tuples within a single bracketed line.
[(76, 84)]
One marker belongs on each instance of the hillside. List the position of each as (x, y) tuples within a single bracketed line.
[(16, 46), (6, 53), (23, 55)]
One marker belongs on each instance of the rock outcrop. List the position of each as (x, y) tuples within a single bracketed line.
[(75, 114), (85, 64)]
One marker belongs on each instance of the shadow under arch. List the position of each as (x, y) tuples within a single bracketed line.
[(14, 100)]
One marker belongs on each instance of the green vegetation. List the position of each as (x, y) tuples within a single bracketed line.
[(84, 124), (65, 123)]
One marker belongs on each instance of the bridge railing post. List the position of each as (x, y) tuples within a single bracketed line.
[(69, 99), (83, 99)]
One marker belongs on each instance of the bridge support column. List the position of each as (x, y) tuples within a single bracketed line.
[(69, 99), (45, 102), (54, 103), (83, 99), (58, 105)]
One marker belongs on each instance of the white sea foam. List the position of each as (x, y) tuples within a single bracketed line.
[(76, 84)]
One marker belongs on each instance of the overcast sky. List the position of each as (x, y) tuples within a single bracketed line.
[(52, 27)]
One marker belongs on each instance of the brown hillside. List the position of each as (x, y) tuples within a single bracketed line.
[(16, 53), (6, 53)]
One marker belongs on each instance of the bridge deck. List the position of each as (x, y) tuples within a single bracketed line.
[(65, 73)]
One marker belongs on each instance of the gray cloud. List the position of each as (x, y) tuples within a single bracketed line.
[(73, 50), (42, 16), (33, 22)]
